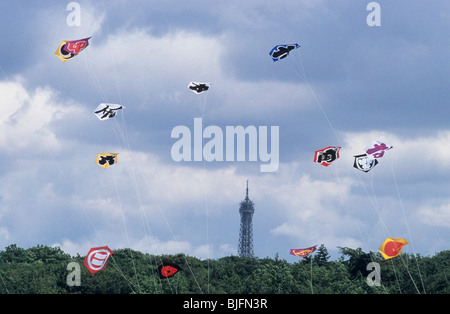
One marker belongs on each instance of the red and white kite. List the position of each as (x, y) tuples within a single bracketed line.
[(96, 258), (326, 156)]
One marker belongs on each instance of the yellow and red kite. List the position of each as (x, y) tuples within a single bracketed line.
[(392, 247), (303, 252)]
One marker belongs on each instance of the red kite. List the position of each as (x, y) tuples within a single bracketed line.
[(96, 258), (392, 247), (167, 270), (326, 155)]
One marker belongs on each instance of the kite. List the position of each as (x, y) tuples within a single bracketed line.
[(392, 247), (198, 87), (377, 149), (106, 111), (69, 49), (96, 258), (326, 155), (106, 160), (167, 270), (282, 51), (364, 163), (303, 252)]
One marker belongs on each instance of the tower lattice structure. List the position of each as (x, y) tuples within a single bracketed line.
[(246, 210)]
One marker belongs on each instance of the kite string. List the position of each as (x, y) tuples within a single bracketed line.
[(112, 55), (299, 62), (387, 234), (97, 232), (372, 257), (99, 86), (206, 203), (124, 135), (374, 203), (1, 277), (126, 141), (125, 227), (104, 97), (95, 79), (407, 226), (4, 73), (122, 141), (317, 100), (377, 210), (122, 138), (312, 292)]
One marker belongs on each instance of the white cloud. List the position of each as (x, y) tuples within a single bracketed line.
[(153, 67), (330, 209), (438, 216), (26, 118), (411, 156), (92, 22), (147, 70), (147, 243), (4, 233), (106, 207), (310, 208), (227, 249), (142, 69), (267, 98)]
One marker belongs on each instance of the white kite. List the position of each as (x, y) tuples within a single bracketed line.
[(106, 111)]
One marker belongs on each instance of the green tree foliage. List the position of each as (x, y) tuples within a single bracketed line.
[(43, 270), (321, 257)]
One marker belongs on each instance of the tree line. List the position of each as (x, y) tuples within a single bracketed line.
[(44, 270)]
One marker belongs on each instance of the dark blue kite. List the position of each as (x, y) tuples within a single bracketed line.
[(282, 51)]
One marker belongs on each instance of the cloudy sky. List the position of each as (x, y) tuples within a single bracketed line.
[(347, 85)]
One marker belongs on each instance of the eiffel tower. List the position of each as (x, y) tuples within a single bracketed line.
[(246, 210)]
